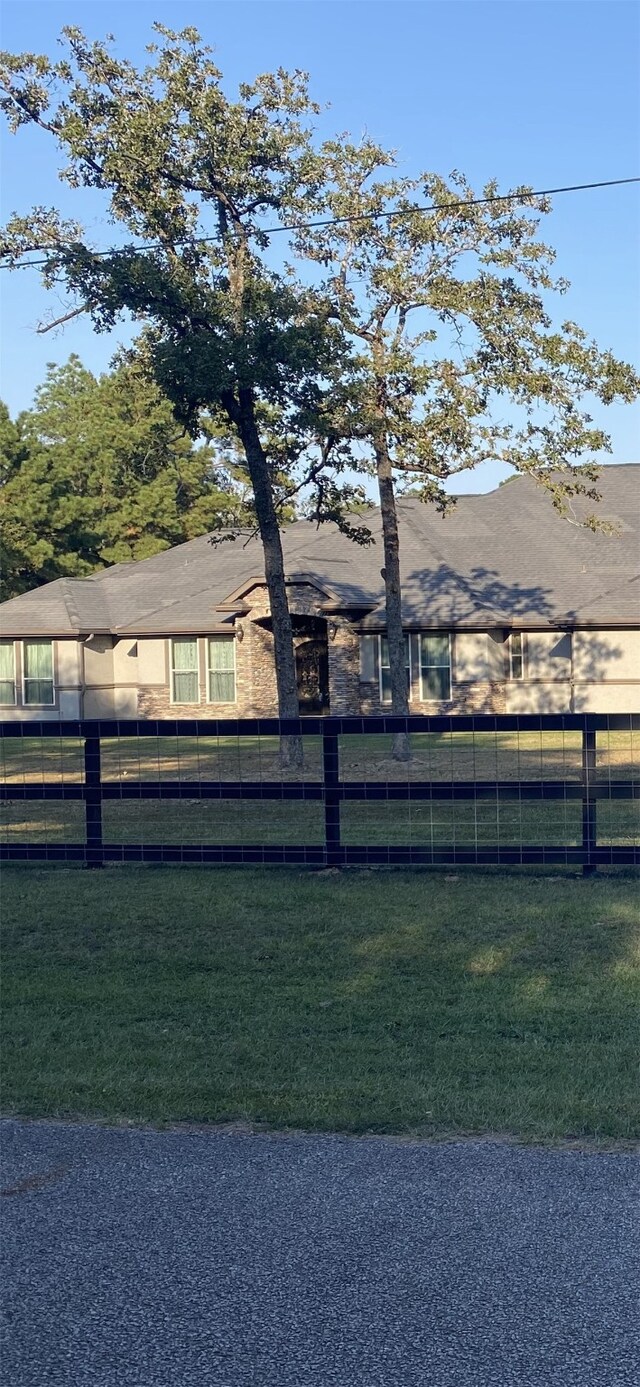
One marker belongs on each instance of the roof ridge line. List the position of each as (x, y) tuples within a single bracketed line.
[(69, 602)]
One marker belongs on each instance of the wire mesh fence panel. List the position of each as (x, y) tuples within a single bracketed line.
[(475, 788), (463, 823), (619, 823), (28, 760), (41, 821), (468, 755), (188, 822), (200, 757), (618, 754)]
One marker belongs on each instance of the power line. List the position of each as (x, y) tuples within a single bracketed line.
[(356, 217)]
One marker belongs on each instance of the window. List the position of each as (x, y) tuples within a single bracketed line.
[(38, 672), (185, 681), (7, 673), (385, 672), (516, 655), (435, 667), (221, 668), (370, 659)]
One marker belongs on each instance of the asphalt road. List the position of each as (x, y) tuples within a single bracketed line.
[(223, 1259)]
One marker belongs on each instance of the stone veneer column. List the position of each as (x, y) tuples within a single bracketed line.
[(344, 669)]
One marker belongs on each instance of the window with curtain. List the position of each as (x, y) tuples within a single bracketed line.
[(385, 671), (435, 667), (516, 655), (7, 672), (37, 667), (185, 682), (222, 669)]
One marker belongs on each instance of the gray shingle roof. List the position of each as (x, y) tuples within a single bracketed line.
[(502, 557)]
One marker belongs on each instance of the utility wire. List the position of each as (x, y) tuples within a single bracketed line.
[(355, 217)]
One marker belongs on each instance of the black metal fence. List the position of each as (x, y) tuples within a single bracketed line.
[(563, 788)]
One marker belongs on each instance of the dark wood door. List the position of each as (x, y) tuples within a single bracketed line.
[(312, 671)]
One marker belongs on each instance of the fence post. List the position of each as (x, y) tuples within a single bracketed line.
[(330, 771), (93, 801), (589, 826)]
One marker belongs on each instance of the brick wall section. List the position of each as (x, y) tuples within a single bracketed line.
[(154, 701), (467, 698)]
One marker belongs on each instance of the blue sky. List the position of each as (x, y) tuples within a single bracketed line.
[(537, 93)]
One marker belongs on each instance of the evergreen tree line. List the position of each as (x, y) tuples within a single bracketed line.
[(99, 472)]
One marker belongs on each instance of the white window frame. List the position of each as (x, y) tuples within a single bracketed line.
[(178, 702), (521, 656), (386, 701), (24, 680), (449, 697), (14, 681), (230, 702)]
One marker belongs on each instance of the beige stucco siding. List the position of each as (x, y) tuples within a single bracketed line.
[(125, 661), (98, 661), (606, 656), (152, 661), (471, 657), (548, 655), (69, 663), (114, 702), (111, 677), (547, 697), (607, 698)]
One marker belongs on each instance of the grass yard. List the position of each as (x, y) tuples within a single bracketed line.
[(407, 1002)]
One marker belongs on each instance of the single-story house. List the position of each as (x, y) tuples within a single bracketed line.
[(507, 607)]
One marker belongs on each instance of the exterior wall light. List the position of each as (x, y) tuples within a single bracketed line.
[(333, 630), (239, 632)]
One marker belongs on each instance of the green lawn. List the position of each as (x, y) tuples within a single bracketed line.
[(360, 1001)]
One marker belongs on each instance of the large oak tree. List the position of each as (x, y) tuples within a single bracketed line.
[(192, 179), (458, 359)]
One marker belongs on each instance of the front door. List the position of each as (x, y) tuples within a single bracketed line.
[(312, 672)]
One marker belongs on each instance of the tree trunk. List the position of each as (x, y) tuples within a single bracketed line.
[(401, 749), (291, 748)]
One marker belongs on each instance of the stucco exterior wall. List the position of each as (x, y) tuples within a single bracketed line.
[(471, 658), (551, 696), (68, 664), (548, 655), (125, 677), (607, 657), (98, 662), (607, 698), (152, 660), (125, 661), (111, 678)]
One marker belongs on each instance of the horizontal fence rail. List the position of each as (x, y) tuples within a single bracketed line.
[(598, 756)]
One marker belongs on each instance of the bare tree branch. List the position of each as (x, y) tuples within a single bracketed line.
[(66, 318)]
